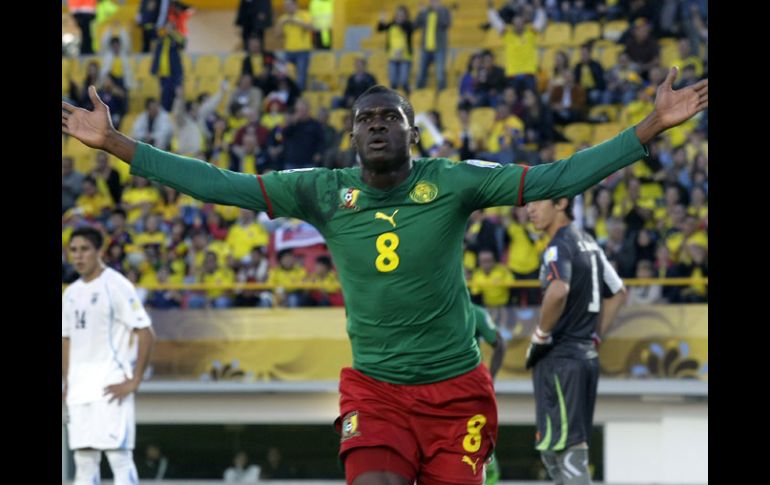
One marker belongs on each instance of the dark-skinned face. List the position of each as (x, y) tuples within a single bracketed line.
[(381, 133)]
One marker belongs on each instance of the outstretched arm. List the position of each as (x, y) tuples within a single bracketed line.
[(577, 173), (190, 176)]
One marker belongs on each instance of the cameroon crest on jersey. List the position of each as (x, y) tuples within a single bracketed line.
[(348, 198)]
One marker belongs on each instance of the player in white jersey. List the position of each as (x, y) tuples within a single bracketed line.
[(106, 344)]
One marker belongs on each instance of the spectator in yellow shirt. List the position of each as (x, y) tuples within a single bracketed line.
[(245, 234), (297, 30), (324, 275), (213, 274), (139, 199), (92, 204), (287, 273), (494, 298), (523, 256)]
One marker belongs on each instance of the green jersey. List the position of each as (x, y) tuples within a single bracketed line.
[(485, 326), (398, 252)]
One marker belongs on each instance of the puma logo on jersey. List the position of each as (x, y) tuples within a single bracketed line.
[(383, 216), (471, 463)]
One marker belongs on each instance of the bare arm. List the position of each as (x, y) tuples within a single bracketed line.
[(554, 301), (146, 338), (497, 356), (610, 308), (65, 364), (494, 20)]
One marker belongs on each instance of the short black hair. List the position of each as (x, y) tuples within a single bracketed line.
[(568, 211), (284, 252), (381, 90), (93, 235)]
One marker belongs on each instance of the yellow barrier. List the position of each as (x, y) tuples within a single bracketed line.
[(658, 341)]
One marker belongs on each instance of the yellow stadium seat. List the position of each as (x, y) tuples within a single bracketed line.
[(556, 34), (66, 67), (423, 100), (614, 29), (483, 118), (208, 65), (605, 131), (79, 70), (609, 56), (548, 59), (127, 123), (578, 132), (378, 58), (322, 68), (142, 67), (668, 54), (610, 111), (187, 64), (337, 118), (232, 66), (376, 41), (447, 104), (460, 62), (564, 150), (208, 84), (585, 31), (492, 40), (149, 88), (313, 98), (347, 64), (190, 86)]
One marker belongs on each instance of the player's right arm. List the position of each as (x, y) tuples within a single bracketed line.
[(557, 262), (274, 193), (611, 305)]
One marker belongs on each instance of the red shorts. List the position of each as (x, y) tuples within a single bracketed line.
[(445, 430)]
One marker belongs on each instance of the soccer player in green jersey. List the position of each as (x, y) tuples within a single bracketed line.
[(416, 405)]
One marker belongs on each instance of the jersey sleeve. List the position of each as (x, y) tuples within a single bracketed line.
[(575, 174), (483, 184), (611, 281), (127, 305), (557, 262), (485, 326), (198, 179), (305, 193)]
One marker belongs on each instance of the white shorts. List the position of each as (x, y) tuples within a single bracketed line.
[(102, 425)]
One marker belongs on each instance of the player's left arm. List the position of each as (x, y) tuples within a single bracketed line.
[(498, 354), (130, 312), (615, 295), (575, 174)]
